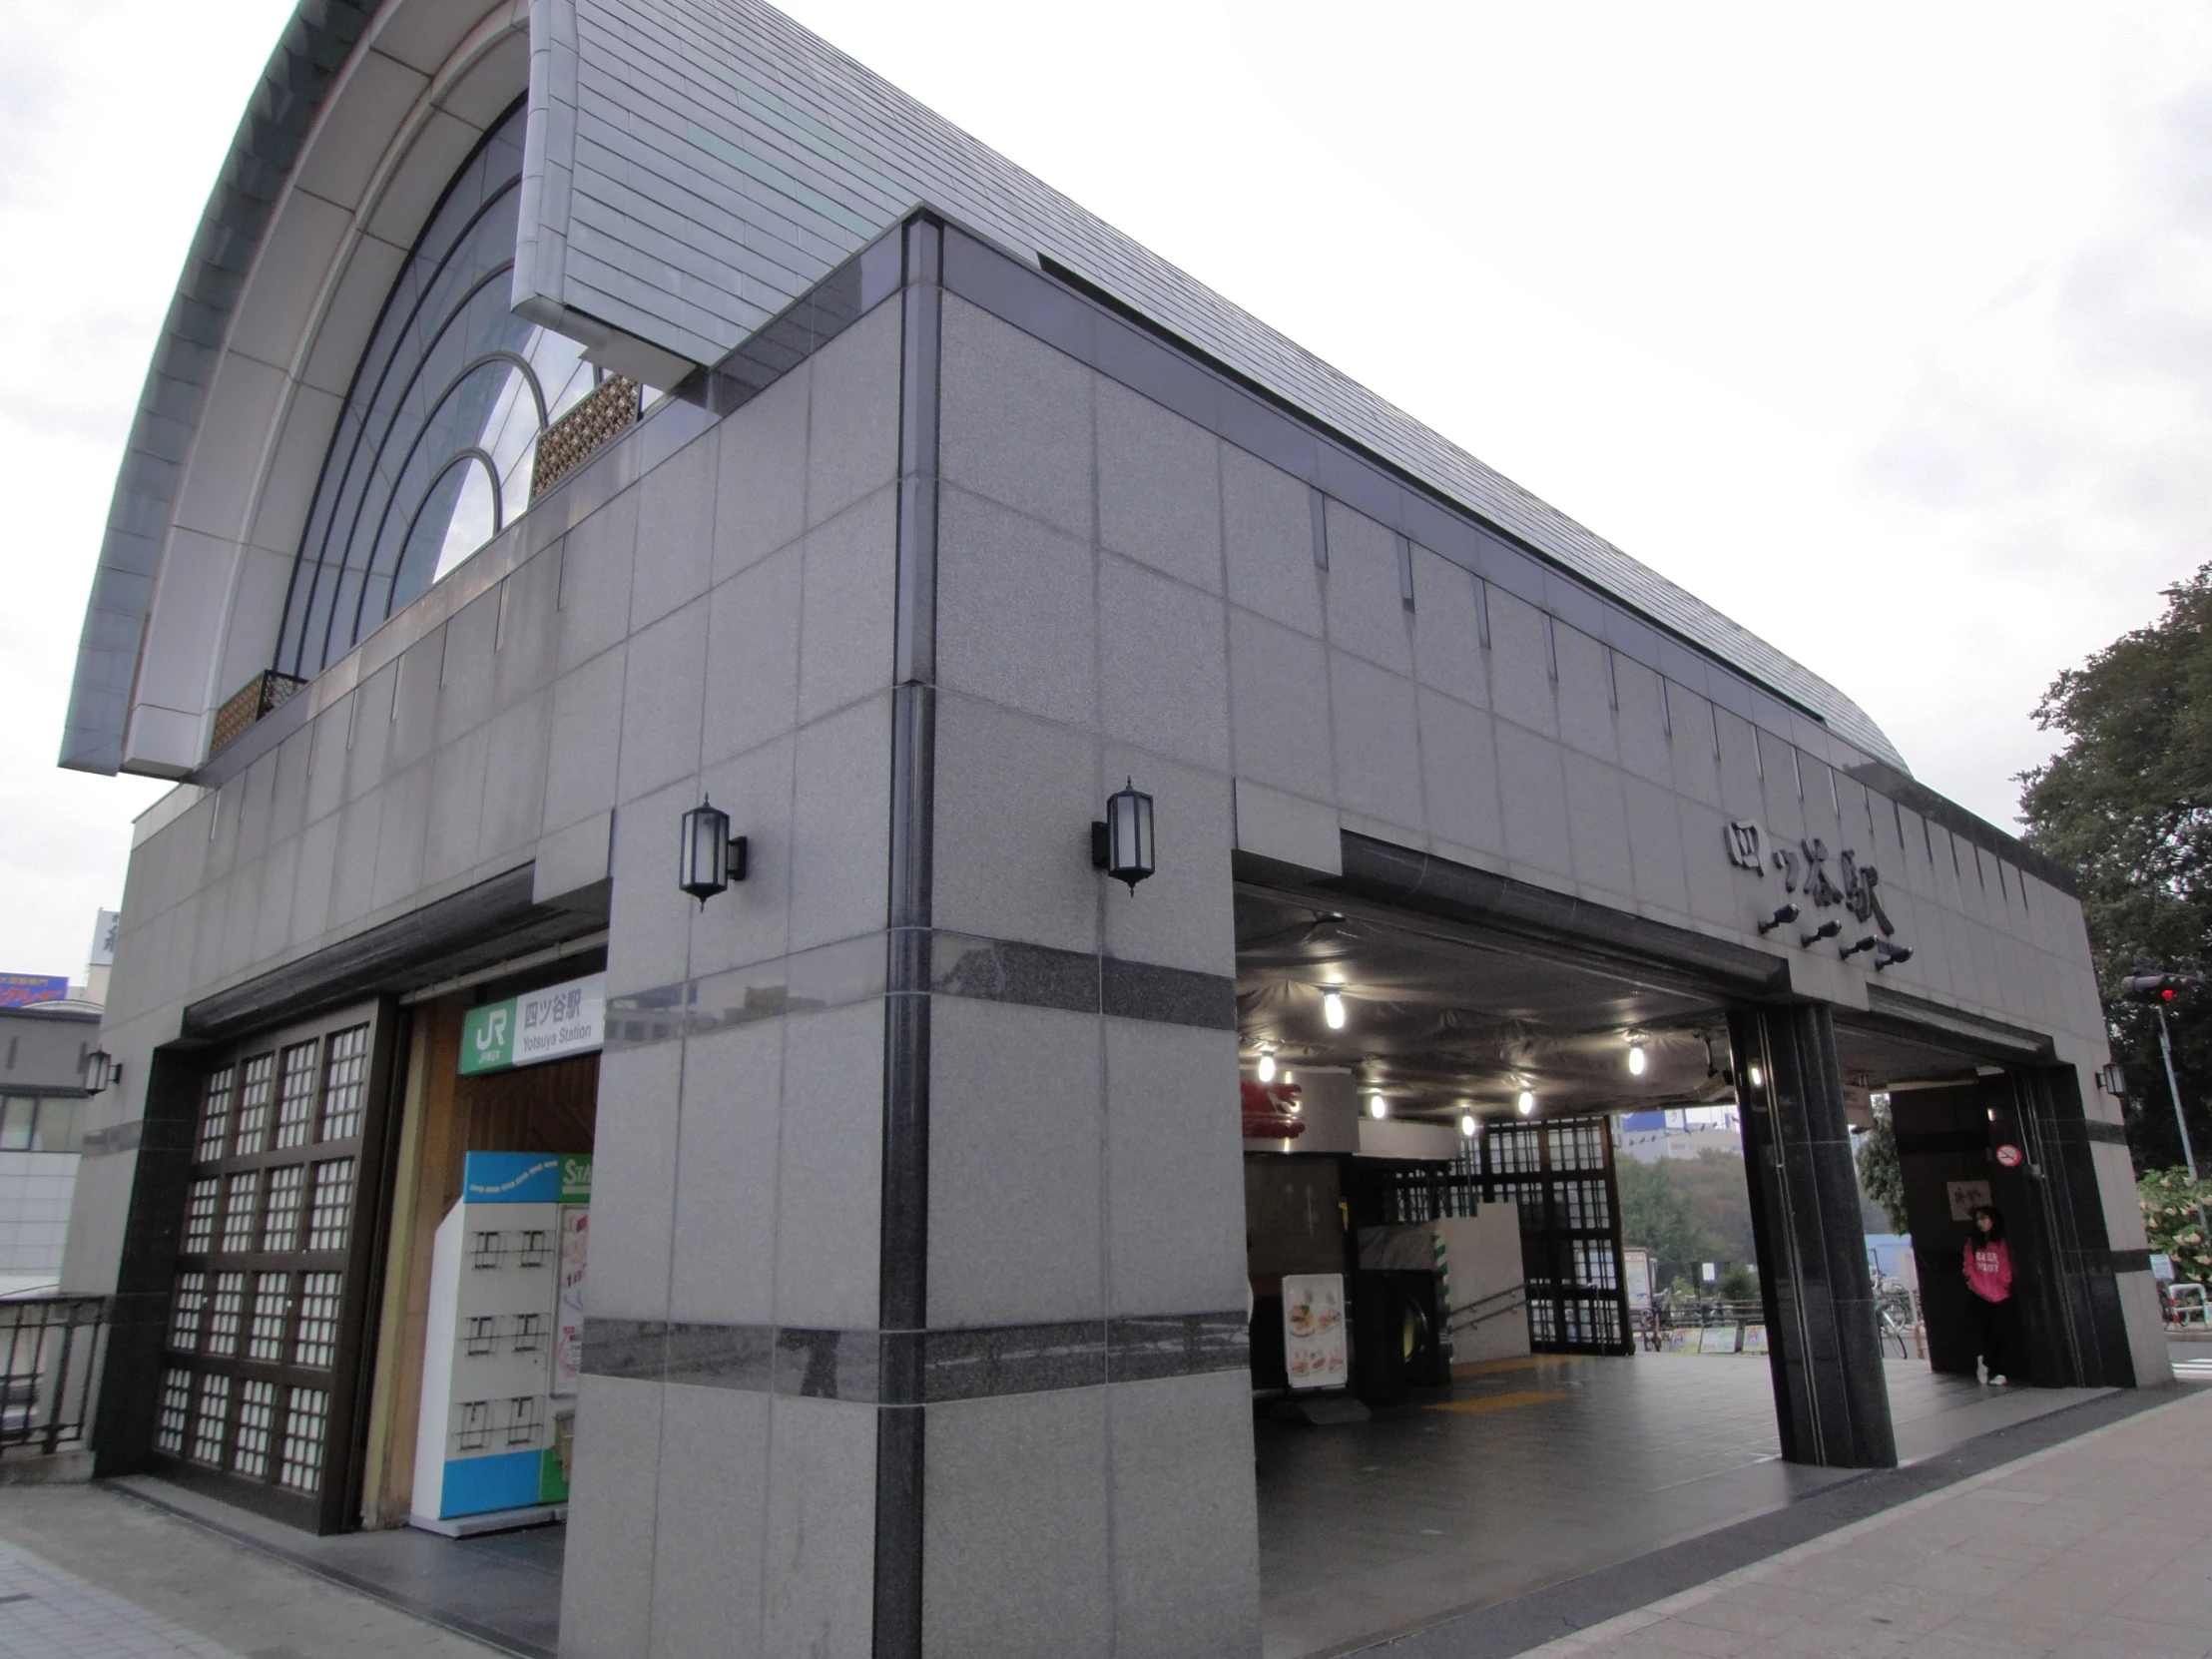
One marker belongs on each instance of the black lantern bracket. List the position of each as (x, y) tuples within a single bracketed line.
[(709, 856), (1121, 844)]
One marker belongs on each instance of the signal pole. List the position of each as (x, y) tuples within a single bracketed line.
[(2166, 1050)]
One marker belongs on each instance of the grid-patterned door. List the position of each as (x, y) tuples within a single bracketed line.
[(1560, 1174), (259, 1373)]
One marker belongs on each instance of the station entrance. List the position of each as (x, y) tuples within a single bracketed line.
[(1459, 1396)]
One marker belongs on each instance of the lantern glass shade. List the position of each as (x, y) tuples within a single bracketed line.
[(1129, 853), (100, 1071), (704, 868)]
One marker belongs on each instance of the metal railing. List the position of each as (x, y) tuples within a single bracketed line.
[(49, 1351)]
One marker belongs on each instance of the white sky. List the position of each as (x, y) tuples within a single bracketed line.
[(1885, 328)]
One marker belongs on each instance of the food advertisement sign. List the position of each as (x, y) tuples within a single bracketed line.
[(1314, 1329)]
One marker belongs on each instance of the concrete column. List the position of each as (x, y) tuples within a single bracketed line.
[(1830, 1398)]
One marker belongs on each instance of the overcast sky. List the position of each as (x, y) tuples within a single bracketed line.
[(1886, 329)]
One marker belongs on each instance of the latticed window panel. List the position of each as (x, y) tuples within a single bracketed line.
[(333, 1208), (264, 1339), (315, 1344), (344, 1084), (173, 1419), (211, 1420), (1582, 1205), (1515, 1149), (303, 1429), (215, 1114), (187, 1311), (296, 1096), (240, 1209), (257, 1334), (257, 1423), (200, 1201), (1593, 1264), (225, 1312), (257, 1084), (288, 1184), (1577, 1146)]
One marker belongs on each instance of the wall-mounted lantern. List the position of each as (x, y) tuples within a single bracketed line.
[(102, 1070), (2112, 1079), (1122, 846), (1787, 913), (710, 859)]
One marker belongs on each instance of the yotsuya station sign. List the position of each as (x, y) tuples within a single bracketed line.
[(1803, 864), (547, 1024)]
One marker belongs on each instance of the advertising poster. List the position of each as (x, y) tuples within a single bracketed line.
[(1638, 1265), (1314, 1329), (1964, 1196), (575, 1241)]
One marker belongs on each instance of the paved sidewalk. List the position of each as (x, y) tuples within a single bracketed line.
[(87, 1573), (2099, 1546)]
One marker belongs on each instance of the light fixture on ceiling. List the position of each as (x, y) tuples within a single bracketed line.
[(1287, 1078), (1756, 1077), (1377, 1107), (1122, 846), (1332, 1008), (711, 858), (1637, 1059), (1527, 1103), (1470, 1125), (1265, 1070)]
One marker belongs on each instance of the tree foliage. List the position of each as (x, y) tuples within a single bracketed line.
[(1880, 1176), (1686, 1211), (2128, 803), (2174, 1210)]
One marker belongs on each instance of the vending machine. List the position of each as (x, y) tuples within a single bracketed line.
[(503, 1350)]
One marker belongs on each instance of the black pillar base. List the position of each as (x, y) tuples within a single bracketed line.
[(1831, 1399)]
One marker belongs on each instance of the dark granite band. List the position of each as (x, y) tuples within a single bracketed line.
[(954, 964), (2131, 1260), (925, 1366), (2111, 1134)]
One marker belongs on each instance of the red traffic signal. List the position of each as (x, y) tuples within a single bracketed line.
[(2159, 987)]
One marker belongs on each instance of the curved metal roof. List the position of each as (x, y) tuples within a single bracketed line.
[(701, 163)]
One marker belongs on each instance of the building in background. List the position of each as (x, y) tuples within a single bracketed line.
[(49, 1031)]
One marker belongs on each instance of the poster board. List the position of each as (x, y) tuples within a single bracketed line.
[(1637, 1264), (1313, 1348), (1964, 1196)]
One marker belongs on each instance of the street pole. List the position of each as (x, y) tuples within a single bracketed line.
[(2166, 1048)]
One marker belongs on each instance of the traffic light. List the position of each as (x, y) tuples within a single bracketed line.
[(2159, 987)]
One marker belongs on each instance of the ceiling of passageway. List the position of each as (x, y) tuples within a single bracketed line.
[(1437, 1018), (1440, 1018)]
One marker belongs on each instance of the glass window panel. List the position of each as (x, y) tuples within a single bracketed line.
[(200, 1207), (281, 1223), (61, 1125), (316, 1342), (186, 1312), (223, 1312), (271, 1300), (256, 1085), (240, 1210), (214, 1115), (344, 1086), (207, 1423), (256, 1418), (333, 1204), (296, 1096), (175, 1412), (302, 1470), (17, 1113)]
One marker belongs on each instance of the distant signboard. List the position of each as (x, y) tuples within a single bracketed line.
[(103, 938), (20, 990), (1638, 1265)]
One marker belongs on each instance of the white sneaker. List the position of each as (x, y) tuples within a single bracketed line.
[(1998, 1381)]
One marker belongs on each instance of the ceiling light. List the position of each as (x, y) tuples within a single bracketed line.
[(1636, 1059), (1287, 1078), (1332, 1009), (1468, 1125), (1377, 1107), (1758, 1077), (1265, 1070), (1527, 1103)]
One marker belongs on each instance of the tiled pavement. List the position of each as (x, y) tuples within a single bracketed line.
[(102, 1576), (46, 1613), (1540, 1470), (2098, 1548), (1528, 1476)]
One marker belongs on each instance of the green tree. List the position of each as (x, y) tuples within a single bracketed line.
[(1656, 1215), (1880, 1176), (2127, 805), (2173, 1216)]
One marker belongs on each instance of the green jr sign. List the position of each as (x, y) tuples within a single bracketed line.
[(545, 1024)]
